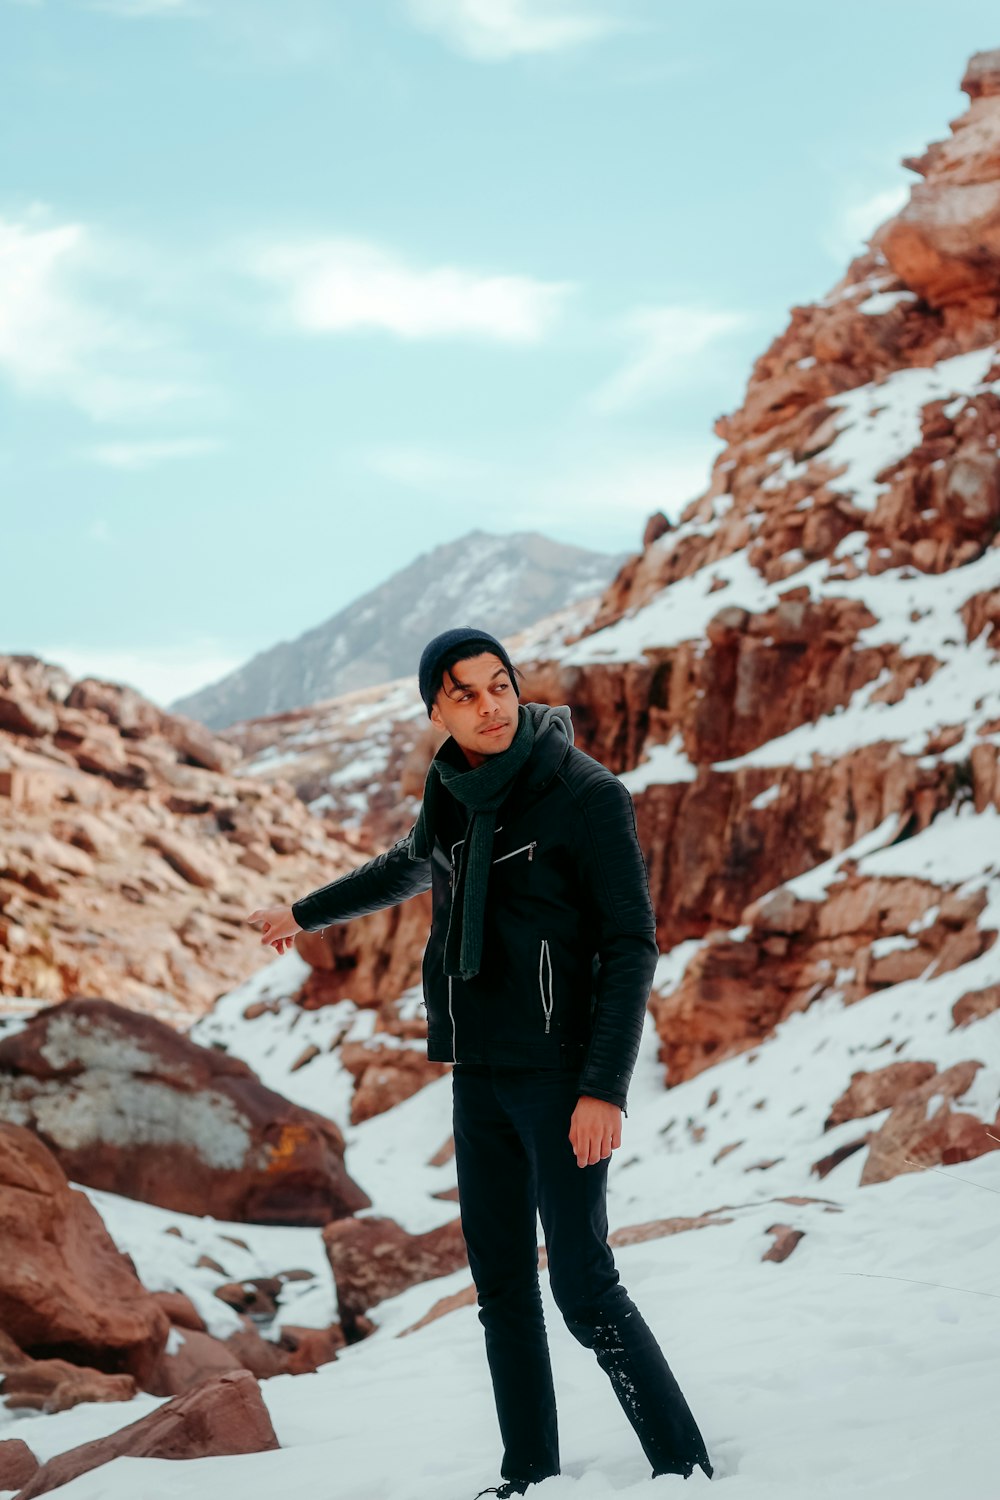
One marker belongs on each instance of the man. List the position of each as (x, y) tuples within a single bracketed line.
[(536, 977)]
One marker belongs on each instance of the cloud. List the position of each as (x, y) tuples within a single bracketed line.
[(62, 334), (611, 493), (421, 468), (146, 454), (494, 30), (667, 340), (338, 285), (594, 493), (858, 221), (160, 673)]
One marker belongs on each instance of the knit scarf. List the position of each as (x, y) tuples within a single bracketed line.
[(482, 791)]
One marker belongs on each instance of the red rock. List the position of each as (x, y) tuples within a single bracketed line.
[(785, 1241), (656, 526), (225, 1415), (870, 1093), (51, 1385), (180, 1310), (257, 1295), (385, 1075), (827, 1163), (982, 76), (194, 862), (189, 1358), (17, 1464), (368, 961), (444, 1305), (908, 1136), (191, 1129), (310, 1347), (373, 1258), (976, 1004), (93, 770), (66, 1289), (656, 1229)]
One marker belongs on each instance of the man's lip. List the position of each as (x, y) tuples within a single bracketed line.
[(492, 728)]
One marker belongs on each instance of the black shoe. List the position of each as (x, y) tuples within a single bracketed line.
[(507, 1489)]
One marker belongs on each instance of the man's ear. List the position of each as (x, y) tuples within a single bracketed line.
[(436, 718)]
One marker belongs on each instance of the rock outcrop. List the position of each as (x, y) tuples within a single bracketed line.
[(128, 1105), (17, 1464), (66, 1293), (375, 1258), (132, 849), (804, 670), (224, 1415)]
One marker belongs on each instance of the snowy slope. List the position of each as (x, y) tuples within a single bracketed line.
[(858, 1366)]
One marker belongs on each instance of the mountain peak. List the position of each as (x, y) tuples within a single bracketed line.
[(505, 582)]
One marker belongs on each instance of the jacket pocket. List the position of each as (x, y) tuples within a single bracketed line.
[(545, 982), (528, 849)]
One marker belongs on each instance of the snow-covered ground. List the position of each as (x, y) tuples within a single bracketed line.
[(863, 1365)]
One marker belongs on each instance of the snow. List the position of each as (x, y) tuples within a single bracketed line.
[(921, 615), (855, 1367), (663, 764), (273, 1042), (883, 302), (882, 423), (765, 798), (166, 1247)]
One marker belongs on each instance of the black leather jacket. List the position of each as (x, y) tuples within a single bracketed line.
[(569, 941)]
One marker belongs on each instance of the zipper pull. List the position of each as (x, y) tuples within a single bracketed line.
[(547, 1021), (531, 855)]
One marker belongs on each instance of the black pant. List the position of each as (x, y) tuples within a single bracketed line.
[(513, 1155)]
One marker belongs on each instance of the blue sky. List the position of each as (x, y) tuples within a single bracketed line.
[(294, 290)]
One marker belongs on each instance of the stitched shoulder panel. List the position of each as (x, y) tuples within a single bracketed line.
[(582, 774)]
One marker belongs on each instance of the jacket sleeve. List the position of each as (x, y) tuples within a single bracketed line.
[(386, 880), (614, 876)]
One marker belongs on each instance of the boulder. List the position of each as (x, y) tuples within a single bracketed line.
[(223, 1416), (870, 1093), (17, 1464), (66, 1292), (52, 1385), (128, 1105), (910, 1139), (374, 1258)]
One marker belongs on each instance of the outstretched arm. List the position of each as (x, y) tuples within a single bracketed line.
[(386, 880)]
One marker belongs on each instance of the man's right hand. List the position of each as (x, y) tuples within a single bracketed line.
[(278, 926)]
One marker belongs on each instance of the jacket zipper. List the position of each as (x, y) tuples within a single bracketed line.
[(529, 847), (454, 1041), (456, 845), (545, 957)]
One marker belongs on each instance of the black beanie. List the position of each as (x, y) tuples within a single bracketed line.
[(479, 641)]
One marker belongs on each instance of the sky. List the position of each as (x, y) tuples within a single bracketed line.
[(292, 292)]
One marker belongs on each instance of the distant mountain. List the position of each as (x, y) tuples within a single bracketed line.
[(504, 583)]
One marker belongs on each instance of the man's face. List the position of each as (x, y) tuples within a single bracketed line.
[(477, 705)]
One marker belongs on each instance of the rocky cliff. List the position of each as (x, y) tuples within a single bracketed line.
[(799, 681), (132, 848)]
